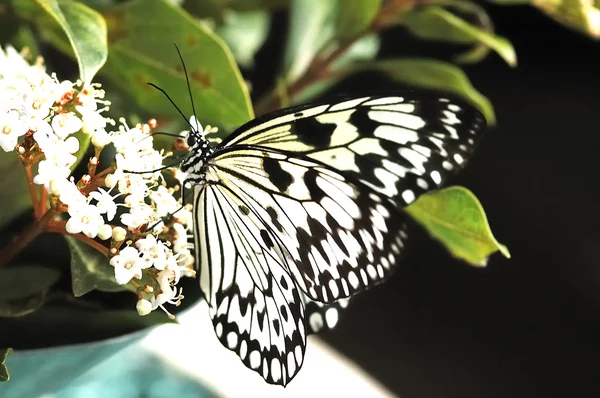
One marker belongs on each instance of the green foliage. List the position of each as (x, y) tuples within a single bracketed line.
[(14, 199), (85, 30), (90, 270), (4, 353), (455, 217), (140, 52), (436, 23), (355, 16), (23, 288), (435, 75)]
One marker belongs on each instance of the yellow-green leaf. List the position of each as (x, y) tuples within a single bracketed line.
[(86, 31), (435, 75), (436, 23), (142, 50), (580, 15), (354, 16), (4, 353), (455, 217)]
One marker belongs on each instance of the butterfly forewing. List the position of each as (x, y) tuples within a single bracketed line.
[(399, 146), (300, 210)]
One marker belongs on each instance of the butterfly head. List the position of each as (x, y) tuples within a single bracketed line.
[(200, 151)]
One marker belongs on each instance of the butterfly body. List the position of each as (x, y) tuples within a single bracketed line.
[(297, 211)]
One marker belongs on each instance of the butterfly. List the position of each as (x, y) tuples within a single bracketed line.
[(298, 210)]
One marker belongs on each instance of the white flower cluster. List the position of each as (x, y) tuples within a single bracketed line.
[(46, 121)]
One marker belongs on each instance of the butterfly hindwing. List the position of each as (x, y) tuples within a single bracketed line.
[(253, 302)]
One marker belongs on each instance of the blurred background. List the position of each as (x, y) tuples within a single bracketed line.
[(528, 326), (524, 327)]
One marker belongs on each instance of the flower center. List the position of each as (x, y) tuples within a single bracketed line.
[(6, 130)]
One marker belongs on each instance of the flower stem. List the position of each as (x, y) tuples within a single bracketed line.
[(318, 68), (35, 201), (59, 227), (26, 237)]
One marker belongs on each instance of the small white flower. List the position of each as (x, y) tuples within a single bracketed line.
[(11, 128), (67, 192), (143, 307), (84, 219), (105, 232), (119, 234), (137, 216), (164, 200), (65, 124), (48, 171), (100, 138), (106, 203), (128, 264)]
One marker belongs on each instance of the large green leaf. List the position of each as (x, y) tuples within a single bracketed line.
[(90, 270), (435, 75), (456, 218), (354, 16), (436, 23), (86, 31), (142, 50), (14, 192), (4, 353)]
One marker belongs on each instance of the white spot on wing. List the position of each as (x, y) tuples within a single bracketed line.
[(397, 134), (347, 104), (384, 101), (255, 359), (408, 120), (331, 317)]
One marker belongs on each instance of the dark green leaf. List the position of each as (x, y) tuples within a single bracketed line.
[(455, 217), (24, 280), (4, 353), (436, 75), (244, 33), (355, 16), (86, 31), (14, 196), (22, 306), (141, 51), (90, 270), (63, 324), (436, 23)]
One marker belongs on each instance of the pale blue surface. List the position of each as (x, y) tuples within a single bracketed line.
[(112, 368)]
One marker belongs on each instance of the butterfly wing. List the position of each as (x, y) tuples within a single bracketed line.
[(301, 209), (399, 146)]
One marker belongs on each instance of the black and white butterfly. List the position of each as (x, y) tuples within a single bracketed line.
[(297, 211)]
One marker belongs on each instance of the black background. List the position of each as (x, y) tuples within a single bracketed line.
[(524, 327)]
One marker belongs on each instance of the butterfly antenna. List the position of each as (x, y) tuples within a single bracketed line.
[(189, 87), (173, 103)]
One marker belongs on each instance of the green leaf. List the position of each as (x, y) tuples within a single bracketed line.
[(4, 353), (455, 217), (435, 75), (582, 16), (141, 52), (14, 197), (435, 23), (66, 324), (90, 270), (354, 16), (24, 280), (311, 26), (86, 31), (244, 33)]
